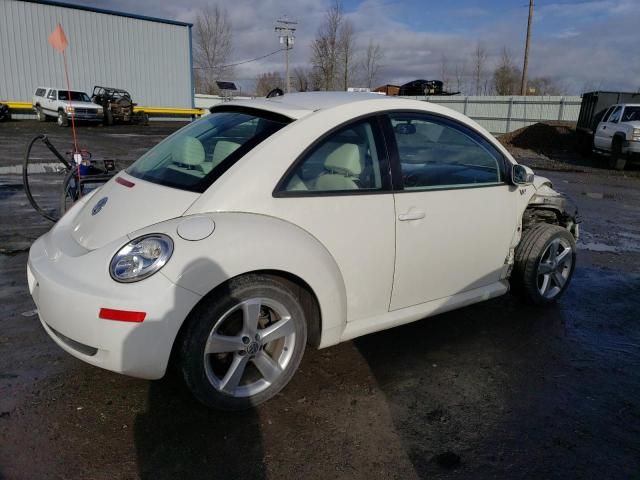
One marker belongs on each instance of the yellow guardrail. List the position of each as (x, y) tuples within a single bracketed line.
[(17, 105), (150, 110), (169, 110)]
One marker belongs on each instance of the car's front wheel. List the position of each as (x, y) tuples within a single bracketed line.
[(243, 344), (617, 160), (544, 263), (63, 119), (40, 114)]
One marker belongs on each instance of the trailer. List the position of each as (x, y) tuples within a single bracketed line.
[(594, 105)]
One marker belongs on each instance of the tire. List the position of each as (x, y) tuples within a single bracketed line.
[(218, 340), (542, 271), (617, 160), (40, 114), (63, 119)]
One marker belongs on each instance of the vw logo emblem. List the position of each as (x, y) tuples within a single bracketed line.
[(253, 348), (98, 206)]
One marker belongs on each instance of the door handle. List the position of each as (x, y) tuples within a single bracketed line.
[(604, 127), (411, 215)]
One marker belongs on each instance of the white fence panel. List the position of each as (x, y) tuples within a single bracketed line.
[(497, 114)]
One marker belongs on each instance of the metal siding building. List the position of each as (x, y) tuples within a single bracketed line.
[(150, 58)]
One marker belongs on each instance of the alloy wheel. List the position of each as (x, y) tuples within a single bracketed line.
[(249, 347), (554, 268)]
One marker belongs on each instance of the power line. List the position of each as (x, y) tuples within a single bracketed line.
[(241, 63)]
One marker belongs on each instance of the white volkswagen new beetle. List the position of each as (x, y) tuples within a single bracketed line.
[(308, 218)]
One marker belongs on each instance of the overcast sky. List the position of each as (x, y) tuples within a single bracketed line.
[(582, 44)]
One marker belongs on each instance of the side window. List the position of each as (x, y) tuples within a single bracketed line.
[(615, 115), (436, 153), (347, 160), (40, 92), (605, 117), (52, 95), (631, 114)]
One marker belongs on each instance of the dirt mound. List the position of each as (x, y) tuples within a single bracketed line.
[(543, 137)]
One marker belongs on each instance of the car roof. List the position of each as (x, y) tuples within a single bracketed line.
[(298, 105), (64, 89)]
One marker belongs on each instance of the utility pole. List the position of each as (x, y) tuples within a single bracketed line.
[(523, 85), (285, 29)]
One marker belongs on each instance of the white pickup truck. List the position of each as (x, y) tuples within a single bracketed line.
[(55, 102), (618, 134)]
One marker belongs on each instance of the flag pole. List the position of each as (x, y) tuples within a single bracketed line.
[(58, 40), (73, 122)]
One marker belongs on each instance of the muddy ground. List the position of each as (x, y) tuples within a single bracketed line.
[(495, 390)]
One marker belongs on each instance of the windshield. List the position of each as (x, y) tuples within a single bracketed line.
[(77, 96), (631, 114), (196, 155)]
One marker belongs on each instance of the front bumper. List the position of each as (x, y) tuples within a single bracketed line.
[(86, 117), (631, 146), (70, 285)]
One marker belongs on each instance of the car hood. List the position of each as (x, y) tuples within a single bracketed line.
[(76, 104), (124, 205)]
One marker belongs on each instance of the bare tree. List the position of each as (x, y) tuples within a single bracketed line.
[(444, 73), (506, 76), (544, 86), (301, 79), (325, 49), (265, 82), (346, 50), (459, 73), (333, 50), (479, 59), (212, 47), (371, 63)]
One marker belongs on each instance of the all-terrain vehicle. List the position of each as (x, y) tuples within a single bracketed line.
[(118, 106)]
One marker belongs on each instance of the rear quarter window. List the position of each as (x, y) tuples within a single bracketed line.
[(197, 155)]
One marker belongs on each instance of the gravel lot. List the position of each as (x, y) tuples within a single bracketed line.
[(495, 390)]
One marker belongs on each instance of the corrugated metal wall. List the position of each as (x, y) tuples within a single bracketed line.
[(505, 114), (149, 59), (497, 114)]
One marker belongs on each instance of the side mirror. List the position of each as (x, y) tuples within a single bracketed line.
[(521, 175)]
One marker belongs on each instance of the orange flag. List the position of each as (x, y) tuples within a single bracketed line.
[(58, 39)]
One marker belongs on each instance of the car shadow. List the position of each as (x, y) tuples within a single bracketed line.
[(502, 389), (450, 379), (177, 437)]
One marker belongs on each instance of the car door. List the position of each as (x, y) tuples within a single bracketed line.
[(606, 129), (339, 191), (455, 211), (598, 134), (50, 102)]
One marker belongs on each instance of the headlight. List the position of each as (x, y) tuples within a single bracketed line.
[(141, 258), (635, 135), (68, 109)]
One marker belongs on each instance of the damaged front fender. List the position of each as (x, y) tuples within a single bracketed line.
[(550, 206)]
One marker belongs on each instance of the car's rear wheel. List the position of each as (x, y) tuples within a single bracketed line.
[(243, 344), (617, 160), (544, 263)]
